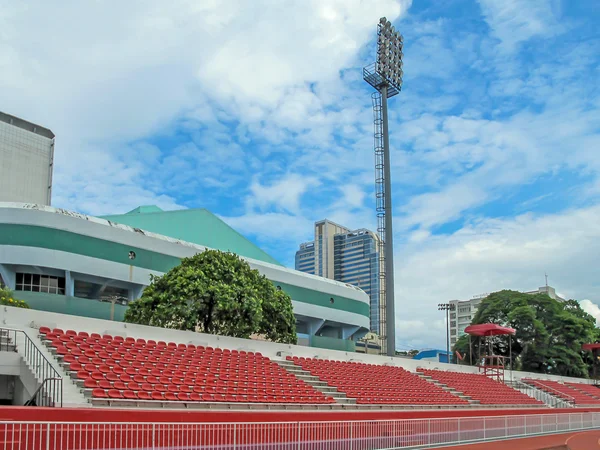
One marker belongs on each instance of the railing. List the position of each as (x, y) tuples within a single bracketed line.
[(548, 398), (50, 380), (40, 397), (350, 435), (550, 390)]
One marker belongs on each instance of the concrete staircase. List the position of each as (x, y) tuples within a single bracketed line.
[(72, 395), (551, 400), (447, 388), (316, 383)]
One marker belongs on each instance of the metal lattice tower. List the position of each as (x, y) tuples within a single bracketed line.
[(385, 75), (380, 209)]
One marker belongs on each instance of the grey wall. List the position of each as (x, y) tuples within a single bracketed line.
[(17, 382)]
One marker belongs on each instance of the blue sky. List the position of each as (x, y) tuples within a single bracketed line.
[(258, 112)]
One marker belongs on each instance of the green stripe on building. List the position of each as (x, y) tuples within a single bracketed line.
[(66, 241)]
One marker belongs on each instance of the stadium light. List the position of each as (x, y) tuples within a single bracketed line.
[(447, 307), (385, 75)]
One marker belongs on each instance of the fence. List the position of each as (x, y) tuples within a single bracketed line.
[(50, 392), (353, 435), (552, 397)]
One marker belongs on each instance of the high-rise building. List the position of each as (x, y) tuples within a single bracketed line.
[(26, 161), (305, 258), (464, 310), (348, 256), (325, 231)]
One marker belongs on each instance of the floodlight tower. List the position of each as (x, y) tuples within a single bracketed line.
[(385, 75)]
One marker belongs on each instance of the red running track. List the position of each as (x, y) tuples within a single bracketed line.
[(583, 440)]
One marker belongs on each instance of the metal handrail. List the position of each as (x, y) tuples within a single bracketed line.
[(39, 397), (534, 392), (39, 364), (555, 392)]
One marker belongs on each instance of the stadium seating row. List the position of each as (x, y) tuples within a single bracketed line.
[(107, 367), (367, 382), (591, 390), (485, 390), (114, 367), (570, 392)]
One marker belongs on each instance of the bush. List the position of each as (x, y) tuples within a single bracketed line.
[(7, 299)]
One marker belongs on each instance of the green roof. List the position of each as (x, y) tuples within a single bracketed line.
[(145, 209), (198, 226)]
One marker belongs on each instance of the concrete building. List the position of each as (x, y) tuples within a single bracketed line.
[(464, 311), (26, 161), (348, 256), (70, 263)]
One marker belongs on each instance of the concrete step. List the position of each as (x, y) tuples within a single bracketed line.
[(316, 382), (445, 387), (72, 395)]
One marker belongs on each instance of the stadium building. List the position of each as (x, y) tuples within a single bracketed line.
[(65, 262)]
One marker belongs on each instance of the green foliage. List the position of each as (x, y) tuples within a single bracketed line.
[(549, 333), (7, 298), (216, 292)]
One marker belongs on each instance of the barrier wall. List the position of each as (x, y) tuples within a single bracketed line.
[(29, 319), (114, 415), (330, 435)]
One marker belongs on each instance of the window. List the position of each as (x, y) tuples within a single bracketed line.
[(95, 291), (40, 283)]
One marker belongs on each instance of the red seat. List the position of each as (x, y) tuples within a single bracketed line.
[(130, 395), (113, 393), (83, 375), (99, 393), (90, 384), (143, 395), (110, 376)]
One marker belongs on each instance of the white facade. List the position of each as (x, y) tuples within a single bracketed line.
[(26, 161)]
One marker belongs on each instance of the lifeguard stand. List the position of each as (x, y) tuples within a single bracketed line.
[(594, 347), (491, 365)]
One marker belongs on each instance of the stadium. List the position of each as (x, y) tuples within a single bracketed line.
[(74, 375), (94, 383)]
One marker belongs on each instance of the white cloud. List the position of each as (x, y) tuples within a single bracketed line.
[(495, 254), (99, 87), (515, 21), (273, 226), (284, 194), (591, 308)]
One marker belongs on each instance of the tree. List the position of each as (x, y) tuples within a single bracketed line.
[(7, 298), (549, 333), (216, 292)]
